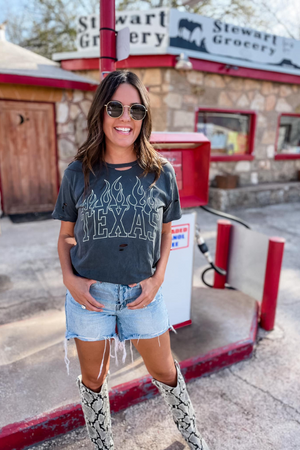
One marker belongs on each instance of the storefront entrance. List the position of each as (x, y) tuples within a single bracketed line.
[(27, 157)]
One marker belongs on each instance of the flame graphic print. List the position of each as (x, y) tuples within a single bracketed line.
[(88, 213), (118, 208), (114, 215)]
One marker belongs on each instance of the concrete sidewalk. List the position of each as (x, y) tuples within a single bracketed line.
[(250, 405)]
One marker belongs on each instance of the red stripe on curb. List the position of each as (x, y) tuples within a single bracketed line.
[(182, 324), (21, 435)]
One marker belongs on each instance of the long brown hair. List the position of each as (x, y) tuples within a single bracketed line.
[(91, 152)]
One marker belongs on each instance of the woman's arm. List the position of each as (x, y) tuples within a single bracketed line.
[(165, 248), (66, 241), (79, 287), (151, 285)]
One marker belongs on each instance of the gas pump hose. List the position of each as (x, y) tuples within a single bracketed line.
[(204, 249), (225, 215)]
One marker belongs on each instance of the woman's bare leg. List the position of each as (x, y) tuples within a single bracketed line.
[(158, 359), (91, 356)]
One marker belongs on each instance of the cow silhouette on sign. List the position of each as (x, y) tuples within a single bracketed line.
[(190, 31)]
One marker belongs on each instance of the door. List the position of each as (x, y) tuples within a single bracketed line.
[(27, 157)]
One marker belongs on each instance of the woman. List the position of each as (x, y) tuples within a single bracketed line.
[(116, 203)]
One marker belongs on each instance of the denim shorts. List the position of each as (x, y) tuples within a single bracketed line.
[(116, 320)]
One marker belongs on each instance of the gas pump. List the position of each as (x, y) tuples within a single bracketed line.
[(189, 153)]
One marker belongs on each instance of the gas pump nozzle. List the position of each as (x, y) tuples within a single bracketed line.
[(204, 249), (202, 245)]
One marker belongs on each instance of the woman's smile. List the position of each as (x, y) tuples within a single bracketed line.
[(123, 130)]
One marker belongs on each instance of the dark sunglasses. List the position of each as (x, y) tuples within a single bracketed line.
[(115, 109)]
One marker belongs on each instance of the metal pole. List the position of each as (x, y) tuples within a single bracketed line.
[(107, 37), (222, 251), (271, 286)]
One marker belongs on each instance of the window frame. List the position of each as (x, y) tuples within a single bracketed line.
[(253, 119), (278, 156)]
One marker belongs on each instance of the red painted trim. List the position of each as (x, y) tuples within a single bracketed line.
[(201, 65), (160, 137), (280, 156), (290, 114), (253, 122), (288, 156), (147, 61), (222, 251), (182, 324), (237, 157), (48, 82), (244, 72), (29, 432), (271, 286), (232, 158), (133, 61), (80, 64)]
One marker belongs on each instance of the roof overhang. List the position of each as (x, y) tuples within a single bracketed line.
[(7, 78), (151, 61)]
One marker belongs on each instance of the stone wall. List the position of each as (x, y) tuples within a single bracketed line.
[(71, 125), (176, 95)]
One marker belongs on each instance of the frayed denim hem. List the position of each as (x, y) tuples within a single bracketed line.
[(119, 346)]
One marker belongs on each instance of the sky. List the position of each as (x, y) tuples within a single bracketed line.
[(289, 13)]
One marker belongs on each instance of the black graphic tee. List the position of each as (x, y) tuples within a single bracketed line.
[(118, 223)]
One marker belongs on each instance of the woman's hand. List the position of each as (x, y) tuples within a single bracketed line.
[(80, 290), (150, 287)]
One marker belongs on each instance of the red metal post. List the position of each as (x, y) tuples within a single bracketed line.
[(271, 286), (107, 37), (222, 251)]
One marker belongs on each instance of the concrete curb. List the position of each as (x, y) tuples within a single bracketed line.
[(18, 436)]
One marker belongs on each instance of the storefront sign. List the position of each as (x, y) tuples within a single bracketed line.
[(210, 39), (148, 30), (169, 31)]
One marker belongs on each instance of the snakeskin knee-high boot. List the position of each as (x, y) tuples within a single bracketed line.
[(96, 412), (179, 402)]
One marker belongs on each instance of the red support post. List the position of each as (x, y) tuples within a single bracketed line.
[(271, 286), (107, 37), (222, 251)]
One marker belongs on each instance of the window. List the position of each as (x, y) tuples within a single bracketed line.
[(288, 136), (231, 133)]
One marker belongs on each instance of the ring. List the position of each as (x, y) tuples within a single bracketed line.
[(83, 307)]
